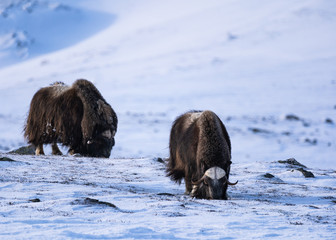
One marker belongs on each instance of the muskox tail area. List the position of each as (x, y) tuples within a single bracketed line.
[(175, 174)]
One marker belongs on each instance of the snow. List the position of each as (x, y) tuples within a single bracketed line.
[(254, 63), (89, 198)]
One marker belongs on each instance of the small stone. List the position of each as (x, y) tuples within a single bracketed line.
[(268, 175), (259, 130), (34, 200), (160, 160), (329, 121), (292, 117)]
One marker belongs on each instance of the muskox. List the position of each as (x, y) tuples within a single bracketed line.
[(200, 152), (76, 116)]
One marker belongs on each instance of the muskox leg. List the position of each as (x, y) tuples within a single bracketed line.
[(39, 150), (188, 185), (55, 149)]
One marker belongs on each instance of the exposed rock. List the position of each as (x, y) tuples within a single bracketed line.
[(329, 121), (292, 161), (306, 174), (160, 160), (26, 150), (35, 200), (6, 159), (259, 130), (311, 141), (268, 175), (292, 117)]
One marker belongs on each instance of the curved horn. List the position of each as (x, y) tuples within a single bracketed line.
[(228, 182), (198, 182)]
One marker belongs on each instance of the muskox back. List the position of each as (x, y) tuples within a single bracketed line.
[(76, 116), (198, 142)]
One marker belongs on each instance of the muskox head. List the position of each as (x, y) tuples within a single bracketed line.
[(212, 185), (101, 144)]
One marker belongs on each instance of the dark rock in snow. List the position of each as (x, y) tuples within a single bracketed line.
[(92, 201), (26, 150), (166, 194), (6, 159), (268, 175), (292, 161), (306, 174), (292, 117), (35, 200), (329, 121), (160, 160), (311, 141), (259, 130)]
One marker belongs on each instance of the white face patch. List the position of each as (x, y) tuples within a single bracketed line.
[(215, 173)]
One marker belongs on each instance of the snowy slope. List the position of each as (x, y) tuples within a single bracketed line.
[(86, 198), (30, 28), (245, 61)]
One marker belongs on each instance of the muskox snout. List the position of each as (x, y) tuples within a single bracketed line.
[(210, 189), (212, 185)]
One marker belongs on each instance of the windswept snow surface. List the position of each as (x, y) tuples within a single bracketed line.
[(90, 198), (267, 68)]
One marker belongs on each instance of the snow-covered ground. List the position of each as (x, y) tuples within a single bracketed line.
[(88, 198), (267, 68)]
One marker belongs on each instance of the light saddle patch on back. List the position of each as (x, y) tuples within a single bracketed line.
[(59, 88), (192, 118)]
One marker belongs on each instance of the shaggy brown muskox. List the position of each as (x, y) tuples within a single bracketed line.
[(76, 116), (200, 152)]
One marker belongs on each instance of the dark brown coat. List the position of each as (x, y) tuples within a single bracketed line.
[(200, 152), (76, 116)]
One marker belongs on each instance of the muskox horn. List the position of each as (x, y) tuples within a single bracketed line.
[(229, 183), (198, 182), (213, 173)]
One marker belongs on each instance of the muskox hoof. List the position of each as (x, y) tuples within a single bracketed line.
[(55, 150), (39, 150)]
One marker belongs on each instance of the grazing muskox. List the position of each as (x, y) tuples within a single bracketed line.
[(76, 116), (200, 152)]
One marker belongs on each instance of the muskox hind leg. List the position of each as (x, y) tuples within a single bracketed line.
[(39, 150), (55, 149)]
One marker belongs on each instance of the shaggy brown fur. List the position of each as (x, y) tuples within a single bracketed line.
[(76, 116), (198, 142)]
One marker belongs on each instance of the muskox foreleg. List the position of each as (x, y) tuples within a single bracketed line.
[(55, 149), (39, 150), (188, 186)]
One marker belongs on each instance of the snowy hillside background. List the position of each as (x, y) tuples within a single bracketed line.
[(267, 68)]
